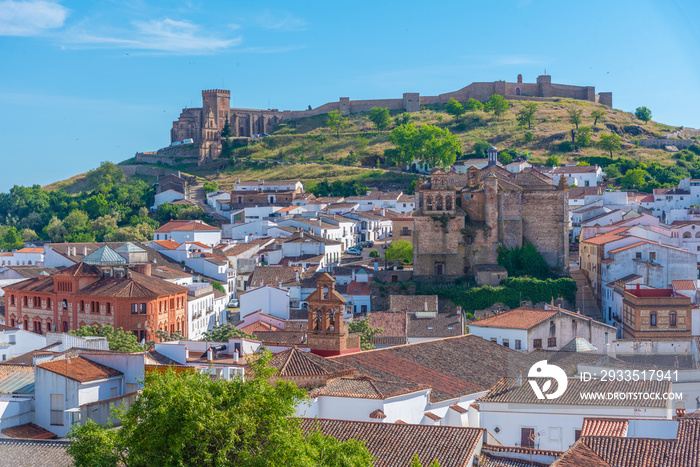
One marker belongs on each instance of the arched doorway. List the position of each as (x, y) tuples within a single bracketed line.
[(517, 91)]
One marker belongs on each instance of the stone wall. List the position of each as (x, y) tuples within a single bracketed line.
[(661, 143)]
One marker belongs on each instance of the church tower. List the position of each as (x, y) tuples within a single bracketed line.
[(326, 333)]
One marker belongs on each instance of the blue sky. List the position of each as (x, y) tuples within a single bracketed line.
[(88, 81)]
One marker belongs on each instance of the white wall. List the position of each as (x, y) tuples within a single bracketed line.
[(489, 332), (271, 300), (25, 341)]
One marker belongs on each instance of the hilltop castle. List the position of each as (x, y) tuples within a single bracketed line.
[(204, 124), (462, 219)]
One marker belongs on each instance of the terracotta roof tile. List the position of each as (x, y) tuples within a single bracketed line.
[(604, 427), (16, 453), (519, 318), (432, 416), (458, 409), (195, 225), (79, 369), (442, 364), (28, 431), (393, 323), (366, 388), (377, 415), (441, 325), (169, 244), (395, 444), (295, 362), (413, 302), (684, 285), (581, 455)]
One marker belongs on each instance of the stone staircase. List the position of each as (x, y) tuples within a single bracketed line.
[(196, 196), (585, 301)]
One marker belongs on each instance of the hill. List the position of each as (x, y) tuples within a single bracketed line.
[(306, 149)]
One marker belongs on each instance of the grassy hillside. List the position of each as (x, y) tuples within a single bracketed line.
[(307, 150)]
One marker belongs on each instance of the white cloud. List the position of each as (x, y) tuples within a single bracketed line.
[(281, 21), (167, 35), (30, 18)]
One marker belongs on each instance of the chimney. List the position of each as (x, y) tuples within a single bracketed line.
[(187, 353), (383, 212), (67, 250), (425, 303), (210, 354), (296, 271), (301, 234), (319, 221), (235, 356), (519, 379), (84, 251)]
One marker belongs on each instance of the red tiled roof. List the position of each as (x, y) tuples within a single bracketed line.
[(581, 455), (441, 365), (30, 250), (432, 416), (604, 427), (615, 234), (413, 302), (169, 244), (79, 369), (196, 225), (393, 323), (257, 326), (358, 288), (199, 244), (623, 248), (458, 409), (519, 318), (395, 444), (295, 362), (684, 285), (28, 431), (366, 388)]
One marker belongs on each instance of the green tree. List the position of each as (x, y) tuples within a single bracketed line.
[(380, 117), (610, 143), (209, 187), (473, 104), (480, 148), (374, 254), (118, 339), (400, 250), (575, 117), (226, 130), (366, 332), (583, 138), (12, 240), (429, 143), (402, 118), (218, 286), (415, 462), (55, 230), (526, 115), (76, 221), (552, 161), (635, 179), (223, 333), (496, 104), (213, 422), (454, 108), (106, 176), (598, 114), (643, 113), (524, 261), (336, 121)]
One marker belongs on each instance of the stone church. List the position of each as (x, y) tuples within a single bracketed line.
[(462, 219)]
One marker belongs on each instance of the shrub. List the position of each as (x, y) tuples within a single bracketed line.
[(528, 136)]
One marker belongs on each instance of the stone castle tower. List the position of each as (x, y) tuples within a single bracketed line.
[(462, 219)]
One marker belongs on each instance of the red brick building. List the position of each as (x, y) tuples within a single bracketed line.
[(103, 294)]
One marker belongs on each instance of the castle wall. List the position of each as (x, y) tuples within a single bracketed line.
[(438, 244), (544, 215)]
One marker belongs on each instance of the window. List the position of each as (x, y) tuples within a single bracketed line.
[(672, 319), (577, 434), (109, 308), (25, 301), (94, 307), (506, 343), (494, 339), (606, 338), (439, 269), (363, 309), (638, 255), (48, 303), (405, 231), (518, 344), (652, 256), (82, 305), (652, 318), (57, 409), (537, 343), (551, 342), (12, 300), (574, 326), (64, 304), (113, 392), (37, 302)]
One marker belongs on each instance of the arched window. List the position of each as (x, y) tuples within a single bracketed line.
[(672, 319), (552, 329), (64, 304), (686, 235), (697, 234), (439, 204), (448, 203), (652, 318), (429, 204)]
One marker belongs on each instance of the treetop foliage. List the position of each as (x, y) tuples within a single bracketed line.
[(189, 419), (428, 143), (118, 339)]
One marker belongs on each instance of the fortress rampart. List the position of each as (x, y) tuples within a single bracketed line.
[(204, 124)]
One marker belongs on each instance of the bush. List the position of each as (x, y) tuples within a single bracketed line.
[(695, 148), (528, 136), (566, 146), (374, 254), (524, 261), (552, 161), (480, 148)]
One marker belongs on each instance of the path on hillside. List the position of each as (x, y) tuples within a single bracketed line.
[(585, 301)]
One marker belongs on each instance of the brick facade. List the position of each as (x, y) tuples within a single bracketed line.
[(78, 296), (656, 313)]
